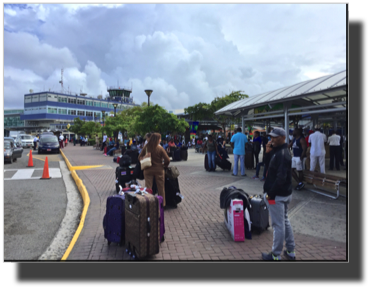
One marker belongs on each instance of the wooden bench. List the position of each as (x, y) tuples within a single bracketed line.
[(321, 181)]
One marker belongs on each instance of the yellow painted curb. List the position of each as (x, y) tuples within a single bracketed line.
[(86, 203), (85, 167)]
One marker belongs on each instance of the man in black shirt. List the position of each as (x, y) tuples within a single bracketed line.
[(278, 194)]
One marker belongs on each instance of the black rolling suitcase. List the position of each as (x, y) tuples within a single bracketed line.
[(142, 225), (223, 163), (172, 193), (123, 176), (258, 213), (114, 220), (206, 163), (184, 153), (176, 155), (248, 159)]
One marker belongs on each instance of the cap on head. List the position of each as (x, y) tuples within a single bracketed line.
[(277, 132)]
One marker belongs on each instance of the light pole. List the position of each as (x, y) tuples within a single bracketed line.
[(103, 112), (148, 92), (114, 107)]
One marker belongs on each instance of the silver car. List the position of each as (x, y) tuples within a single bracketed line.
[(25, 140), (11, 150)]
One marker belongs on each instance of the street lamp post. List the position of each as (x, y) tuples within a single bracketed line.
[(114, 107), (103, 112), (148, 92)]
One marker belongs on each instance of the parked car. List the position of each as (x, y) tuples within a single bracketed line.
[(48, 143), (11, 151), (45, 134), (25, 140)]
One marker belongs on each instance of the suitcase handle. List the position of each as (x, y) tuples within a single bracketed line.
[(148, 227)]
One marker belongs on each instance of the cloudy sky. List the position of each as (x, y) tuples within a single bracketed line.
[(185, 53)]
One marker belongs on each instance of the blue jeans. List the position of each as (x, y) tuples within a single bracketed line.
[(211, 160), (109, 152), (258, 167), (236, 165)]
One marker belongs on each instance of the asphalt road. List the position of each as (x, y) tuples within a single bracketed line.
[(33, 209)]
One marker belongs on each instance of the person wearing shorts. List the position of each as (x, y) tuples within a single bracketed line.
[(299, 146)]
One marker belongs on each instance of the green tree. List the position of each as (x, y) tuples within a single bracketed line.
[(77, 126), (204, 111), (157, 119)]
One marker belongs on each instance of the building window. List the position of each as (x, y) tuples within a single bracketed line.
[(62, 111), (80, 113), (71, 100), (72, 112), (88, 113), (110, 106), (89, 103), (52, 110)]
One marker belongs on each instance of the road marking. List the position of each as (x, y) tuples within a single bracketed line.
[(24, 174), (85, 167)]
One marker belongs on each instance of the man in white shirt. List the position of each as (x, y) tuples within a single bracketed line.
[(104, 141), (334, 142), (317, 151), (61, 141)]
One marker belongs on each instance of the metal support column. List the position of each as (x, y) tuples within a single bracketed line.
[(286, 121), (242, 125)]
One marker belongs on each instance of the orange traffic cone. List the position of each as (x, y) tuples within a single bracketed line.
[(30, 163), (45, 174)]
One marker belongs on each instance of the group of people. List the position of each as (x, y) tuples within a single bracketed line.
[(279, 168)]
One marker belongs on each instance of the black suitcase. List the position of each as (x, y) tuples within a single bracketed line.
[(172, 193), (123, 176), (206, 163), (133, 154), (258, 213), (137, 172), (223, 163), (184, 153), (142, 225), (125, 161), (248, 159), (114, 220), (176, 155)]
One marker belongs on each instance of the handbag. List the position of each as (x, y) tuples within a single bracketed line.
[(146, 162), (171, 172)]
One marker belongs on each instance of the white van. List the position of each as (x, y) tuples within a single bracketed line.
[(25, 140)]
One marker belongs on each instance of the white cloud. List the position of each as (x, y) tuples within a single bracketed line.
[(186, 53)]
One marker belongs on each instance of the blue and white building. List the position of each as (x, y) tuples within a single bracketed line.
[(53, 110)]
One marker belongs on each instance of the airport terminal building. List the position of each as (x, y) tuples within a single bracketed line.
[(53, 110)]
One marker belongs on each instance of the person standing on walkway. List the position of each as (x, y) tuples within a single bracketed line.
[(238, 142), (212, 149), (278, 195), (256, 147), (157, 170), (61, 141), (298, 145), (104, 141), (335, 150), (97, 141), (317, 150), (35, 140)]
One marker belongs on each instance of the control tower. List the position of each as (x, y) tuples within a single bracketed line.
[(120, 94)]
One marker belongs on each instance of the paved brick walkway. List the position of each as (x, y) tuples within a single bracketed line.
[(195, 230)]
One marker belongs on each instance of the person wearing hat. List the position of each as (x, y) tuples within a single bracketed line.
[(278, 195)]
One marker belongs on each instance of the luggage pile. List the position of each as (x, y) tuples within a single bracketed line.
[(221, 162), (135, 218), (243, 213)]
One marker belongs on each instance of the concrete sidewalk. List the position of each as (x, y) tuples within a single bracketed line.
[(196, 230)]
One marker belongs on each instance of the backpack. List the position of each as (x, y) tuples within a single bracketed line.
[(125, 161)]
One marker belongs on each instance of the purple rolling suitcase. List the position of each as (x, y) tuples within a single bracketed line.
[(114, 220), (162, 218)]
